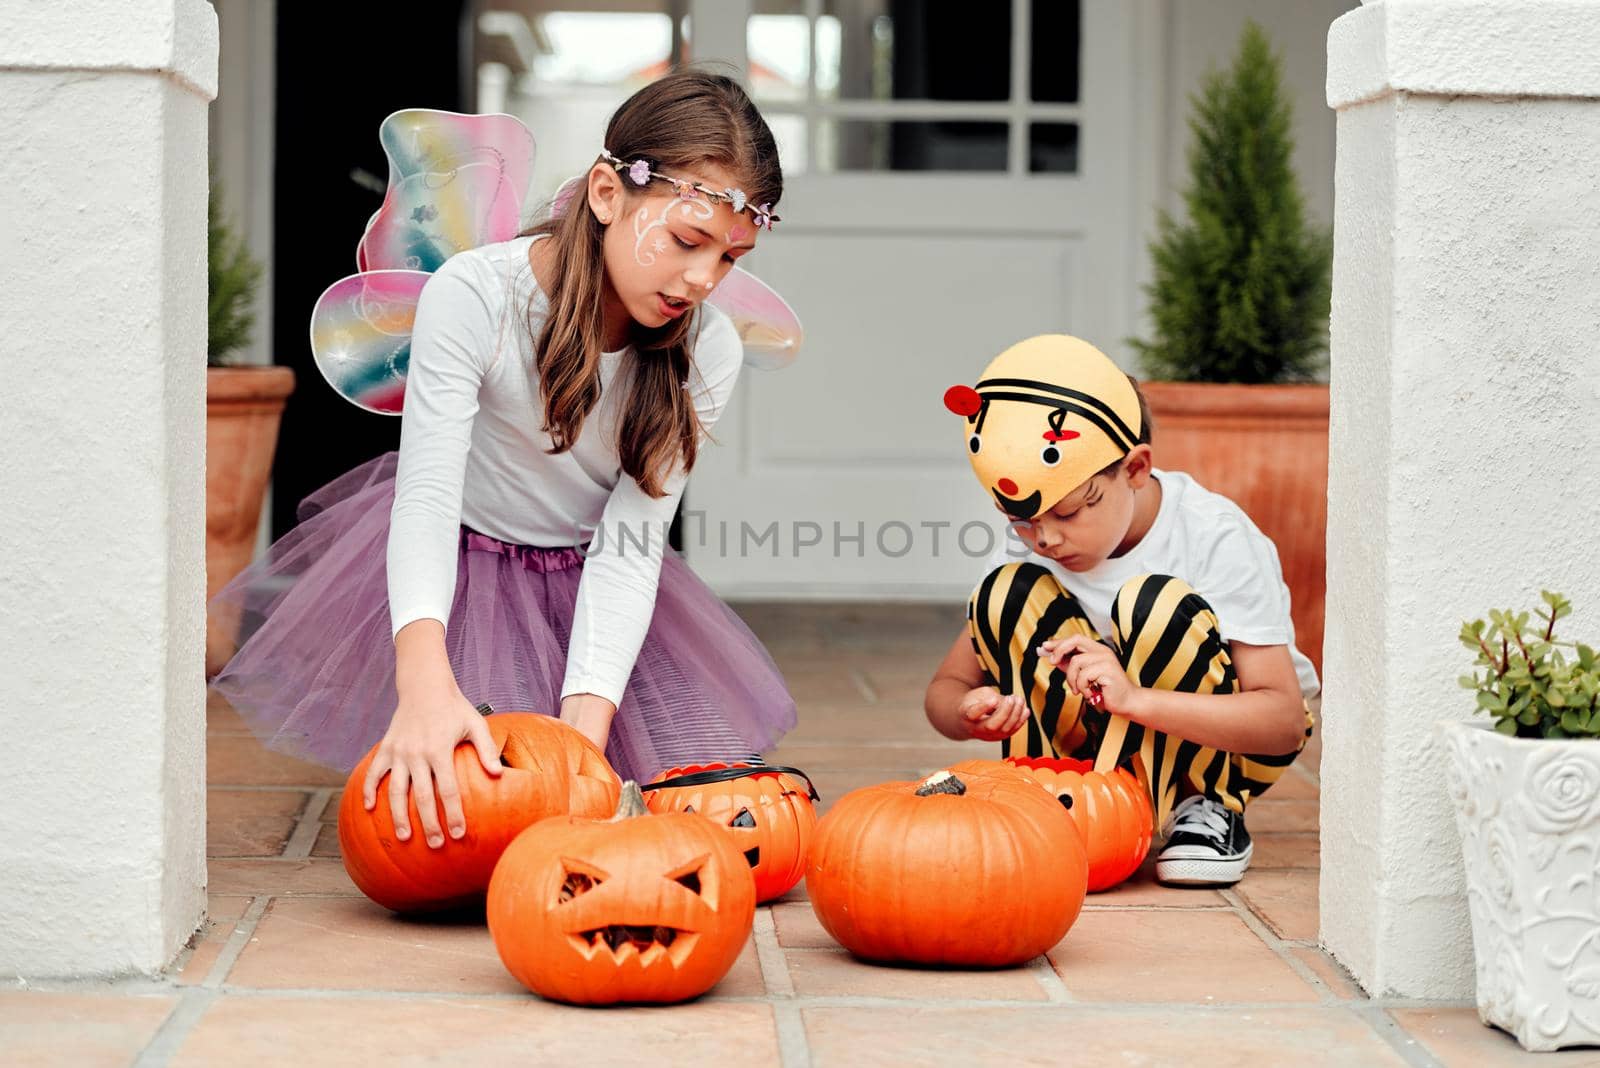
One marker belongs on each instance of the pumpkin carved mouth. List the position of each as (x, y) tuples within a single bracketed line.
[(645, 943), (640, 937)]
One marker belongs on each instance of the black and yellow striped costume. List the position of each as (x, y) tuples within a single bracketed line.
[(1166, 637)]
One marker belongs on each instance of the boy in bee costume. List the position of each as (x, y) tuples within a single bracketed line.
[(1145, 625)]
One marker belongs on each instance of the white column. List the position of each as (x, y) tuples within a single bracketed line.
[(1465, 435), (102, 429)]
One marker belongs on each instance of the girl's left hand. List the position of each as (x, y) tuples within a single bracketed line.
[(1091, 667), (590, 714)]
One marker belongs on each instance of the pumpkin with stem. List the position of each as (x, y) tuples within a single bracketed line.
[(550, 769), (974, 866), (638, 908), (766, 809), (1111, 811)]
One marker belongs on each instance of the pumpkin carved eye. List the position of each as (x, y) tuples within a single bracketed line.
[(690, 881), (743, 819), (576, 884)]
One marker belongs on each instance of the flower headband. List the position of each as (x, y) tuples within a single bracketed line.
[(640, 173)]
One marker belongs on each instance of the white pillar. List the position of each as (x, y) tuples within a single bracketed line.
[(102, 430), (1465, 434)]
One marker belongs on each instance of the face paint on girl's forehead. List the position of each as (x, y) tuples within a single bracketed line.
[(738, 233), (643, 226)]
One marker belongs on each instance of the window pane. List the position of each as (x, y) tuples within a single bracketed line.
[(1053, 148), (595, 61), (913, 50), (779, 47), (1054, 48), (882, 145)]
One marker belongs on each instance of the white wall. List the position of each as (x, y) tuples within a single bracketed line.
[(1465, 426), (102, 572)]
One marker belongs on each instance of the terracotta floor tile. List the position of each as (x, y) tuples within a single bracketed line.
[(1142, 889), (312, 875), (327, 843), (834, 973), (398, 1032), (1273, 851), (1049, 1036), (860, 723), (1286, 901), (744, 978), (1273, 815), (47, 1030), (1293, 786), (1460, 1040), (223, 912), (821, 678), (352, 944), (925, 757), (251, 823), (1338, 981), (798, 927), (221, 717), (899, 680), (1198, 957), (240, 760)]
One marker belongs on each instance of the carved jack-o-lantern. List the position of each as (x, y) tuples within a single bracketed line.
[(653, 908), (767, 809), (550, 769), (1111, 811)]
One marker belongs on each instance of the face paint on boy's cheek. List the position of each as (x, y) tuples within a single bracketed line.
[(643, 226)]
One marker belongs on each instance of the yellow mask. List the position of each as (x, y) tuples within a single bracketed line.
[(1047, 415)]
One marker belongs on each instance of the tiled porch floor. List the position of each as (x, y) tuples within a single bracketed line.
[(295, 967)]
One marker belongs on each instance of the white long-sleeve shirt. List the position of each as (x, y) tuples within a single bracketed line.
[(472, 452)]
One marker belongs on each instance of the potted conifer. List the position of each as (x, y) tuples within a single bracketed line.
[(1527, 801), (243, 408), (1239, 303)]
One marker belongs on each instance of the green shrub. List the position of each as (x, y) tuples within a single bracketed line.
[(1241, 287), (1530, 688)]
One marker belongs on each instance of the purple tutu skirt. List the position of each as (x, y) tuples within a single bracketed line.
[(313, 673)]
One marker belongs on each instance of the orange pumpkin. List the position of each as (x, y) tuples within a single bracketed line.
[(636, 908), (1111, 812), (550, 769), (974, 866), (766, 810)]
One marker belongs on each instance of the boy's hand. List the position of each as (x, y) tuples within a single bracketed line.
[(989, 716), (1093, 672)]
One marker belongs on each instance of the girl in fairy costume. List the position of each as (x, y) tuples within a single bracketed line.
[(513, 553)]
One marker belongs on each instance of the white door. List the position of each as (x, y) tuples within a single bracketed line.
[(949, 190)]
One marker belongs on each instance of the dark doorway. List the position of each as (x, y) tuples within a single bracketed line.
[(341, 68)]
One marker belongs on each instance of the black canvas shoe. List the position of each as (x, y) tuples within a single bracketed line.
[(1209, 845)]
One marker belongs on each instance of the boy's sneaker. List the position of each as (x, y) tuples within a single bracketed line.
[(1209, 845)]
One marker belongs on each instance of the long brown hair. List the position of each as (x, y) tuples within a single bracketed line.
[(681, 121)]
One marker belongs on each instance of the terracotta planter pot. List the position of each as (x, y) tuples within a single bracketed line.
[(243, 407), (1266, 447)]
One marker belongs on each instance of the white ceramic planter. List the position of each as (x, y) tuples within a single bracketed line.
[(1529, 815)]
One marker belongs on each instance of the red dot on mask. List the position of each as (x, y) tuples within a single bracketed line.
[(963, 400), (1008, 487)]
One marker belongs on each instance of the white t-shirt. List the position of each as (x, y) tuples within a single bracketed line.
[(472, 452), (1207, 541)]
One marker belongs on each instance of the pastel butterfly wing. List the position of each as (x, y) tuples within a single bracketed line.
[(361, 336)]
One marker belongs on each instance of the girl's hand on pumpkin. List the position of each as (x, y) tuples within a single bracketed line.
[(990, 716), (1093, 672), (418, 752), (591, 714)]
